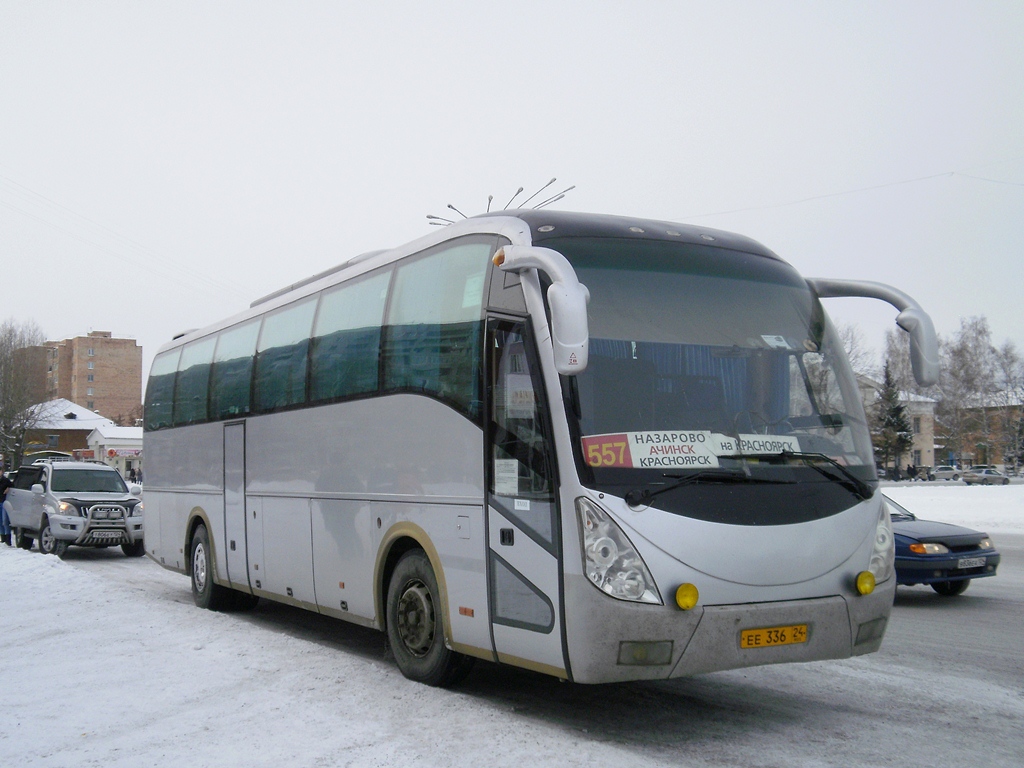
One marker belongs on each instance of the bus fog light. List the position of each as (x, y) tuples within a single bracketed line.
[(865, 583), (871, 630), (610, 561), (687, 596), (645, 654)]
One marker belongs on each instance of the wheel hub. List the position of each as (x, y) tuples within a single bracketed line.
[(199, 566), (416, 618), (46, 539)]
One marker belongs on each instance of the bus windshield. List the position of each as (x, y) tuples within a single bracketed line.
[(704, 358)]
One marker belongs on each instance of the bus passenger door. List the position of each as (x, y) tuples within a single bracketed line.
[(524, 546), (234, 544)]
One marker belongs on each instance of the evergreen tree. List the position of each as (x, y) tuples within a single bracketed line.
[(892, 435)]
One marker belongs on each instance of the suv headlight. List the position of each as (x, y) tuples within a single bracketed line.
[(610, 561), (883, 553), (64, 508), (137, 509)]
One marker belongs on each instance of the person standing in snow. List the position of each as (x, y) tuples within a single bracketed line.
[(5, 523)]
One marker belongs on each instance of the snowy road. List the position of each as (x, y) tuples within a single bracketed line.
[(105, 661)]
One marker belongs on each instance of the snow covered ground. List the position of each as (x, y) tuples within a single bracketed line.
[(993, 509), (105, 661)]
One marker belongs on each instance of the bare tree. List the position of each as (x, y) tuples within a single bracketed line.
[(16, 390), (967, 383), (1007, 402), (861, 358)]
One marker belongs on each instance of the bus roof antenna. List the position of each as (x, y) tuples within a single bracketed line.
[(555, 198), (489, 199), (458, 211), (439, 220), (523, 204), (518, 191)]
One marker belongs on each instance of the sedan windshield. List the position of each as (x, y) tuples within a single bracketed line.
[(86, 481), (704, 358)]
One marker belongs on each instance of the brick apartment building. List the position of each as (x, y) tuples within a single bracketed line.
[(96, 371)]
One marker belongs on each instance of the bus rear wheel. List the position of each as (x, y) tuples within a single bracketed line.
[(415, 625)]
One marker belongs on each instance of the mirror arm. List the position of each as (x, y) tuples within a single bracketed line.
[(924, 344), (567, 299)]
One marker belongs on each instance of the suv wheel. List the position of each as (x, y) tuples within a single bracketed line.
[(22, 540), (50, 544), (137, 549)]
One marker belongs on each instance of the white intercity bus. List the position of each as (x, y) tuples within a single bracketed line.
[(598, 447)]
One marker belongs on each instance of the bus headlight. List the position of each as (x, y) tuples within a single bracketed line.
[(610, 560), (883, 553)]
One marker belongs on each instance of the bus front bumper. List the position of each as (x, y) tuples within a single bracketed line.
[(635, 642)]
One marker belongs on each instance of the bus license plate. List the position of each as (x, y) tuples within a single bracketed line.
[(771, 636), (970, 562)]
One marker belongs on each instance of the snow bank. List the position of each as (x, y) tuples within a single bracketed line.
[(994, 509)]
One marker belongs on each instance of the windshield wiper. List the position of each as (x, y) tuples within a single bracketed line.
[(642, 496), (845, 478)]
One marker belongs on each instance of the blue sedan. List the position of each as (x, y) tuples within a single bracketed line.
[(944, 556)]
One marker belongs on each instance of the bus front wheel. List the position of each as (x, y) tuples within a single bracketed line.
[(205, 593), (415, 625)]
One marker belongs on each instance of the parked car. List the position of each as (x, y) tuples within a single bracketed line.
[(985, 477), (68, 502), (944, 472), (944, 556)]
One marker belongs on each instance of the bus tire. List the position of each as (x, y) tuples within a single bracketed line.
[(415, 625), (205, 593), (50, 544), (135, 549)]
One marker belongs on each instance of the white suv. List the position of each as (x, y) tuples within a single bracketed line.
[(68, 502)]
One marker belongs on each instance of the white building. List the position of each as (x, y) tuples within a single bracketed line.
[(119, 447)]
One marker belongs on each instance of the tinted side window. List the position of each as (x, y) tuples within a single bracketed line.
[(231, 375), (433, 337), (160, 390), (281, 356), (27, 477), (345, 357), (190, 392)]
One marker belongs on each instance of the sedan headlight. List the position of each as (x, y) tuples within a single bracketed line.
[(928, 548), (610, 561), (883, 553), (64, 508), (985, 544)]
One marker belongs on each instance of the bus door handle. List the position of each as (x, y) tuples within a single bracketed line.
[(506, 537)]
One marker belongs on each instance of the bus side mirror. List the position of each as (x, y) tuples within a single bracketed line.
[(567, 298), (924, 344)]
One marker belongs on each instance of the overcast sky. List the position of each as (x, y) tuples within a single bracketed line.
[(164, 164)]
